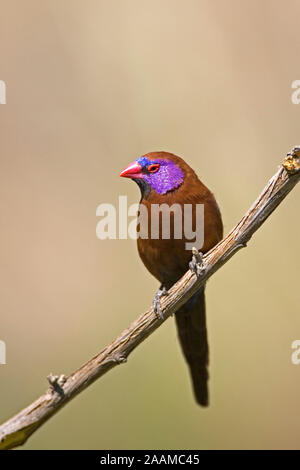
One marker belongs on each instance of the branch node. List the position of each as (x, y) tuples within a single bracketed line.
[(292, 162), (119, 358), (56, 383), (242, 244)]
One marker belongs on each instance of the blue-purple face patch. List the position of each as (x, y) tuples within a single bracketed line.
[(168, 177)]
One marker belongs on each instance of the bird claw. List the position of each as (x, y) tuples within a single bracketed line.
[(156, 302), (196, 265)]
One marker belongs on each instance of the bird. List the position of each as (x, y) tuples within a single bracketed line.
[(164, 178)]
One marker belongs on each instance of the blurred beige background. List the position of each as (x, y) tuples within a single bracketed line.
[(92, 85)]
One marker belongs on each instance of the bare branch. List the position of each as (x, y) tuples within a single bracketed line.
[(16, 430)]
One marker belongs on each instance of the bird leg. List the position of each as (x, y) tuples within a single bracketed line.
[(162, 291), (196, 265)]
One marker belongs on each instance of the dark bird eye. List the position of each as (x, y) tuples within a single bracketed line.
[(153, 168)]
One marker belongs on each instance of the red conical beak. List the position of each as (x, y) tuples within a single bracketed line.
[(134, 170)]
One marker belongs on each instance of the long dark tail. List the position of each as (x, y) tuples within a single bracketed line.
[(191, 324)]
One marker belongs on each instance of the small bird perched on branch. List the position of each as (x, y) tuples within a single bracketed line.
[(166, 179)]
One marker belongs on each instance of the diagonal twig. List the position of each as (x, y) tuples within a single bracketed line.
[(17, 430)]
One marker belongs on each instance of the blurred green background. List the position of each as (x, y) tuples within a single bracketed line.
[(92, 85)]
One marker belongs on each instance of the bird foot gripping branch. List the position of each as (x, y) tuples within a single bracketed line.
[(162, 291), (196, 265)]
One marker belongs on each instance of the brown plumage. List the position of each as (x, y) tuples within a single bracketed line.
[(168, 259)]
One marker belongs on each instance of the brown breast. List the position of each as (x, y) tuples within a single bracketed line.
[(167, 259)]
